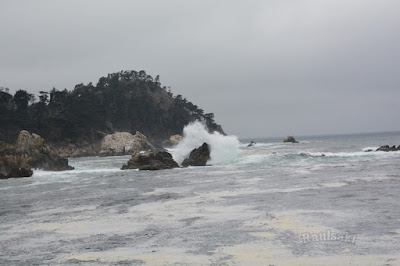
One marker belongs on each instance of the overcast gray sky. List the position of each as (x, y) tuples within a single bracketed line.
[(265, 68)]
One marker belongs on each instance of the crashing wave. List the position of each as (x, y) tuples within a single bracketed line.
[(223, 149)]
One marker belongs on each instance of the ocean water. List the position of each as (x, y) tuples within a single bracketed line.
[(271, 204)]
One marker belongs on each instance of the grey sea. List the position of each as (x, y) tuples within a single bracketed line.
[(323, 201)]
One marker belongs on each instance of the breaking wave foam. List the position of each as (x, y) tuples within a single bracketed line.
[(223, 149)]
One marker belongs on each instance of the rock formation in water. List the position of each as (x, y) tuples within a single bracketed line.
[(387, 148), (290, 139), (122, 143), (29, 152), (12, 164), (252, 143), (198, 157), (150, 161)]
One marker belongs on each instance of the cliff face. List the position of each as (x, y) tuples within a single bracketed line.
[(127, 101)]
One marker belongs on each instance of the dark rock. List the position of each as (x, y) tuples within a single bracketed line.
[(198, 157), (20, 172), (252, 143), (290, 139), (387, 148), (369, 150), (383, 148), (150, 161)]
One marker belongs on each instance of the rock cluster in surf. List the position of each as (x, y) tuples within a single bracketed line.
[(386, 148), (152, 160)]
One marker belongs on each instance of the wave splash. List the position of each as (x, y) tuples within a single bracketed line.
[(223, 149)]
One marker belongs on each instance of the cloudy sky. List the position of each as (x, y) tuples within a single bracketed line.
[(265, 68)]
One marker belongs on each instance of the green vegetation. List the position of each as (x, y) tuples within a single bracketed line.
[(123, 101)]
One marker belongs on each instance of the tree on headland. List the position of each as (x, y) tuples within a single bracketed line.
[(122, 101), (21, 100)]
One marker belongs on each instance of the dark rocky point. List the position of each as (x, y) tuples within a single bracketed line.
[(290, 139), (150, 161), (198, 157), (387, 148)]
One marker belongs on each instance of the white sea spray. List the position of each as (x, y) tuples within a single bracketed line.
[(223, 149)]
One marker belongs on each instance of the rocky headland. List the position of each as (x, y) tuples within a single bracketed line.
[(78, 122)]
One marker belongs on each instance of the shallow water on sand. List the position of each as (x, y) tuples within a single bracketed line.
[(276, 203)]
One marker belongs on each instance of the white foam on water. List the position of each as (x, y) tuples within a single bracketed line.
[(42, 173), (253, 159), (223, 149), (355, 154), (159, 256), (338, 154), (370, 148)]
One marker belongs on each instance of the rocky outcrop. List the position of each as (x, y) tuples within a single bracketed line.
[(38, 154), (387, 148), (198, 157), (13, 164), (150, 161), (122, 143), (28, 152), (252, 143), (290, 139)]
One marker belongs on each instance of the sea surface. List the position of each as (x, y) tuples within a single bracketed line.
[(271, 204)]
